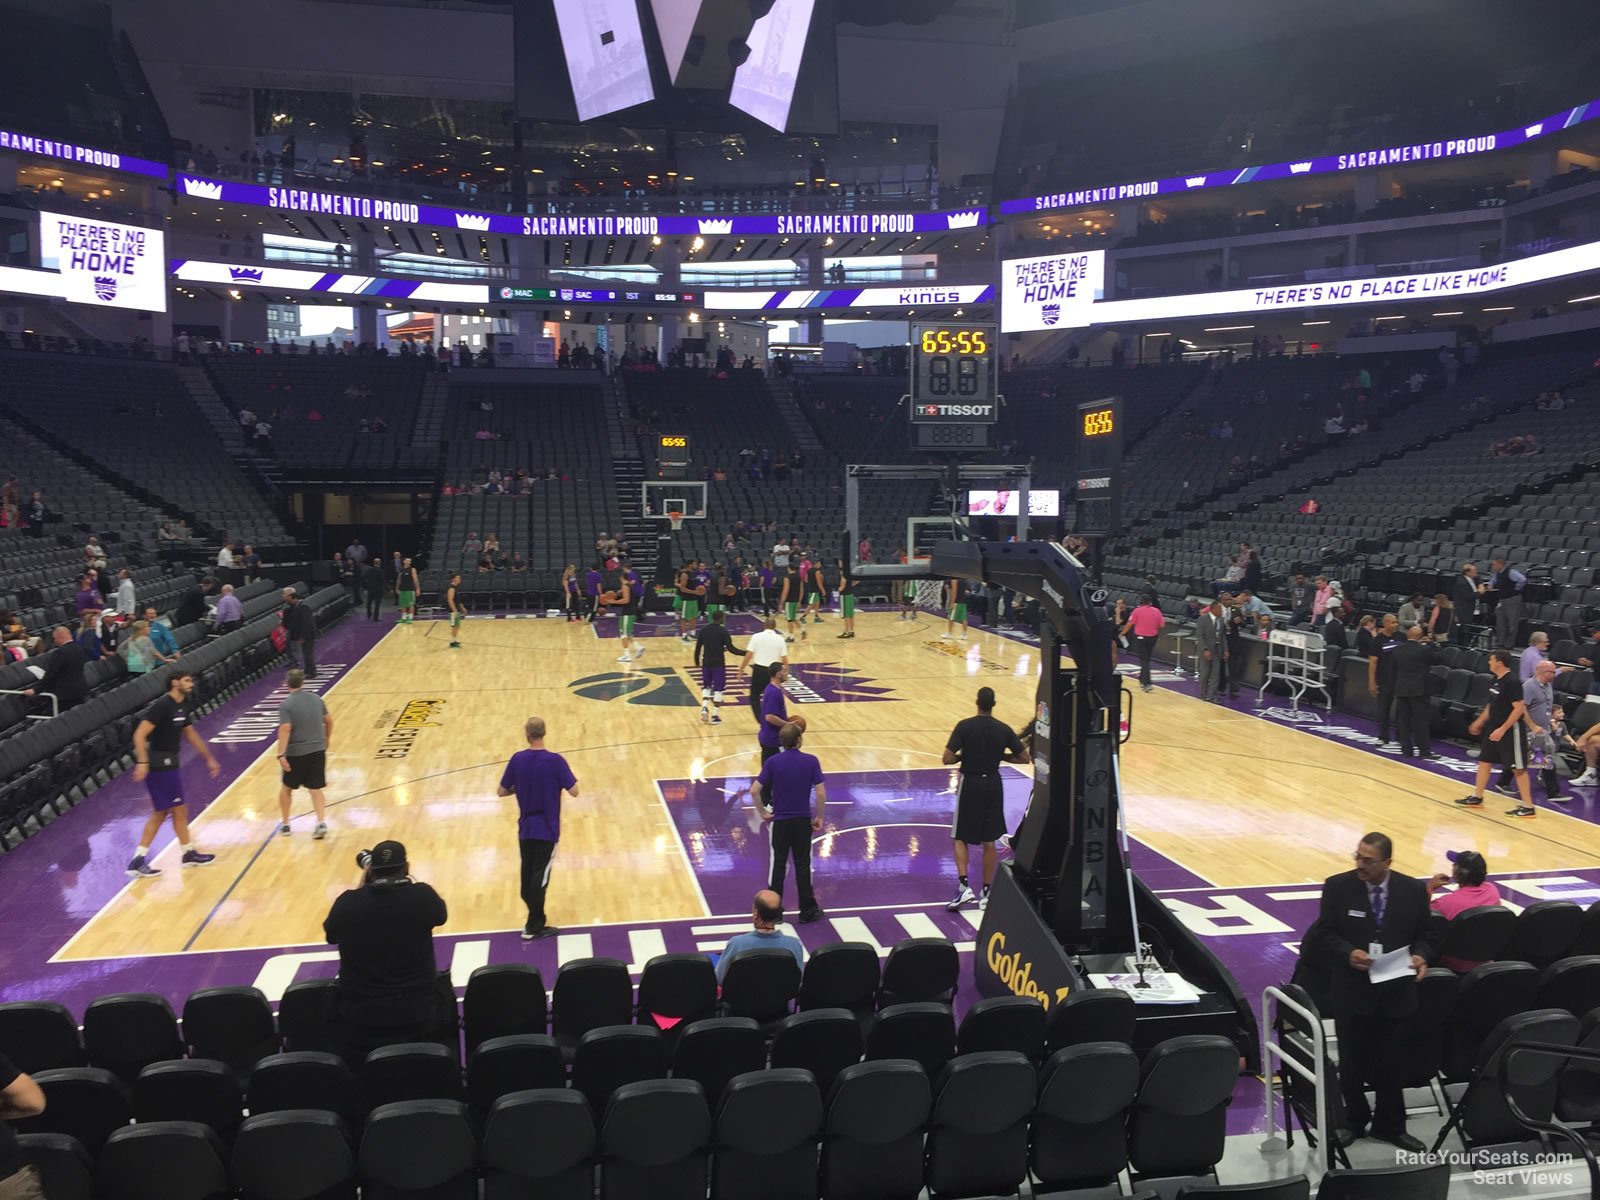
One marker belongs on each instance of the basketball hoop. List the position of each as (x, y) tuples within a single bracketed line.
[(676, 518)]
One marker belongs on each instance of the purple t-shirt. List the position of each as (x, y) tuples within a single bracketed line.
[(768, 578), (591, 581), (772, 705), (538, 777), (786, 780)]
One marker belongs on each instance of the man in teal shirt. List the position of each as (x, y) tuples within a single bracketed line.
[(161, 636)]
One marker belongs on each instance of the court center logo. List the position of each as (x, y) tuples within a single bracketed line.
[(409, 723), (970, 654), (674, 687)]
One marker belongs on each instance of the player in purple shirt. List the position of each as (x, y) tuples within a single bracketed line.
[(775, 711), (537, 777), (783, 790), (591, 590)]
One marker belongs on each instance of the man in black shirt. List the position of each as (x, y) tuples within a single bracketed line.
[(1380, 673), (979, 744), (193, 605), (20, 1097), (62, 675), (1464, 593), (390, 989), (155, 757), (1410, 662), (712, 645), (847, 599), (374, 583), (301, 626), (1504, 740)]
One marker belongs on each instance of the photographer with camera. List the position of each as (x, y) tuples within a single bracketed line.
[(390, 988)]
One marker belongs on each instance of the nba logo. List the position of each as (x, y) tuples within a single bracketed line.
[(1050, 313)]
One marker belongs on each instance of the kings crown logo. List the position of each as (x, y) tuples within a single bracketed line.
[(472, 220), (105, 287), (245, 274), (963, 220), (725, 226), (1299, 168), (1195, 181), (1534, 130), (199, 187), (1050, 313)]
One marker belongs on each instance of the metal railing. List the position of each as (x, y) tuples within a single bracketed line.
[(1554, 1127), (34, 694), (1271, 999)]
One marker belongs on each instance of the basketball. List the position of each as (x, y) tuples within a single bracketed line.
[(800, 721), (609, 597), (701, 590)]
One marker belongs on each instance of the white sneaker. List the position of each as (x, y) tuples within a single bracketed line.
[(945, 637), (320, 832), (1589, 778), (283, 829), (638, 651), (964, 895), (983, 901), (624, 657)]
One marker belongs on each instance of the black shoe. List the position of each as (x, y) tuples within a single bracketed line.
[(1401, 1141), (810, 915), (1471, 801), (1427, 757), (1345, 1138), (544, 931)]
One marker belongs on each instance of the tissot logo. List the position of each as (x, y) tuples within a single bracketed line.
[(1094, 483), (957, 410)]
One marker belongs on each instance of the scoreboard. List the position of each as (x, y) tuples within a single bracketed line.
[(953, 369), (1098, 466)]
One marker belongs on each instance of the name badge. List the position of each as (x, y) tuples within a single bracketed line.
[(1356, 912), (1375, 949)]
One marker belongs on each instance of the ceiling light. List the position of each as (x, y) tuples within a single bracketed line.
[(1457, 313), (1582, 299), (1502, 308), (1305, 323), (1227, 328)]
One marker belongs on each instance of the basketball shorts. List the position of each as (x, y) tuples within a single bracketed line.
[(307, 770), (456, 619), (1509, 751), (814, 599), (691, 610), (958, 613), (791, 610), (714, 680), (407, 599), (165, 788), (625, 625), (980, 810), (847, 605), (715, 608)]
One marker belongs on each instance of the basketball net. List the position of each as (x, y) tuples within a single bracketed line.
[(676, 519)]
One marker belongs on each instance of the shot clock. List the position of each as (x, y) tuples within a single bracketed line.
[(1098, 465), (672, 449), (953, 368)]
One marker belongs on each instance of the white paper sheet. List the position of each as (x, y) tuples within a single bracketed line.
[(1396, 964)]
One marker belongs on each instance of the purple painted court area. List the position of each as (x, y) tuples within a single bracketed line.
[(61, 877)]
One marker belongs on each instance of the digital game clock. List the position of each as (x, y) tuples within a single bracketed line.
[(953, 368), (672, 449)]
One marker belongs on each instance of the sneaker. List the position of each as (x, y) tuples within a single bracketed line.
[(455, 645), (529, 933), (804, 634), (638, 651), (1559, 798), (963, 637), (789, 639), (1589, 778), (193, 858), (810, 915), (945, 637), (140, 869), (1507, 789), (964, 895), (320, 832), (716, 720), (283, 830), (841, 635), (1003, 841), (624, 657), (983, 901), (1471, 801), (1522, 810), (705, 717)]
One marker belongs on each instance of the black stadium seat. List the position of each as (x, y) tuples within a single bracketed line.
[(841, 975), (614, 1055), (919, 970), (39, 1035), (126, 1032), (872, 1144), (1078, 1138), (589, 993), (654, 1142), (675, 990), (1478, 935), (303, 1079), (1544, 932), (66, 1172), (539, 1142), (760, 984), (1178, 1121), (305, 1016), (1572, 984), (501, 999), (1002, 1023), (713, 1051), (410, 1071), (514, 1063), (1094, 1015), (299, 1154), (418, 1150), (87, 1103), (823, 1041), (162, 1160), (768, 1129), (231, 1024), (978, 1131), (1488, 995), (1297, 1187), (924, 1033), (200, 1090), (1482, 1115), (1426, 1181)]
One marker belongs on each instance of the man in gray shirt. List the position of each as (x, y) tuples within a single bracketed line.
[(1539, 698), (305, 729)]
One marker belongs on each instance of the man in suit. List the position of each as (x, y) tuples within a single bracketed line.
[(62, 674), (1211, 644), (1410, 663), (1365, 912), (1464, 595)]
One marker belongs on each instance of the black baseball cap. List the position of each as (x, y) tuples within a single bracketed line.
[(388, 856), (1469, 863)]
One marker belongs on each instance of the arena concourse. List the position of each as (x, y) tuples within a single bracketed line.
[(799, 600)]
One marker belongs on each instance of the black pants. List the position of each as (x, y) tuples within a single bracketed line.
[(791, 837), (1411, 721), (1144, 647), (304, 655), (374, 604), (1548, 779), (760, 676), (768, 752), (1385, 712), (1371, 1049), (535, 877)]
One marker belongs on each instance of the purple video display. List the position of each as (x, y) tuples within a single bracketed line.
[(87, 156), (1354, 159)]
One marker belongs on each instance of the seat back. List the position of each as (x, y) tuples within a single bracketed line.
[(873, 1131), (66, 1172), (1485, 1116), (299, 1079), (978, 1133), (418, 1150), (713, 1051), (162, 1160), (675, 989), (762, 984), (540, 1142), (1437, 993), (823, 1041), (410, 1071), (919, 970), (924, 1033), (1572, 983), (1544, 932), (1003, 1023), (230, 1024), (127, 1031), (1079, 1138), (87, 1103), (503, 999), (1296, 1187), (1095, 1015), (305, 1016), (1179, 1117), (1478, 935), (1587, 940), (590, 993), (1489, 994), (614, 1055), (654, 1142), (40, 1035), (768, 1129), (202, 1090), (1428, 1181), (841, 975), (301, 1154), (516, 1062)]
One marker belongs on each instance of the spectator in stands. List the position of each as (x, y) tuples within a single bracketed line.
[(374, 585), (230, 612), (347, 574), (89, 599), (161, 636), (1310, 507), (356, 552), (471, 546), (1251, 561), (1301, 594), (125, 593), (62, 674), (1366, 631), (250, 564), (20, 1098), (89, 637), (1230, 577), (1469, 873), (139, 652), (766, 934), (263, 439), (301, 626), (10, 516), (225, 560), (1504, 591), (1410, 611), (1537, 651), (193, 604), (37, 514), (1466, 593), (1441, 618), (94, 554)]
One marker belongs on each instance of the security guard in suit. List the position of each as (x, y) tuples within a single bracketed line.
[(1366, 912)]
